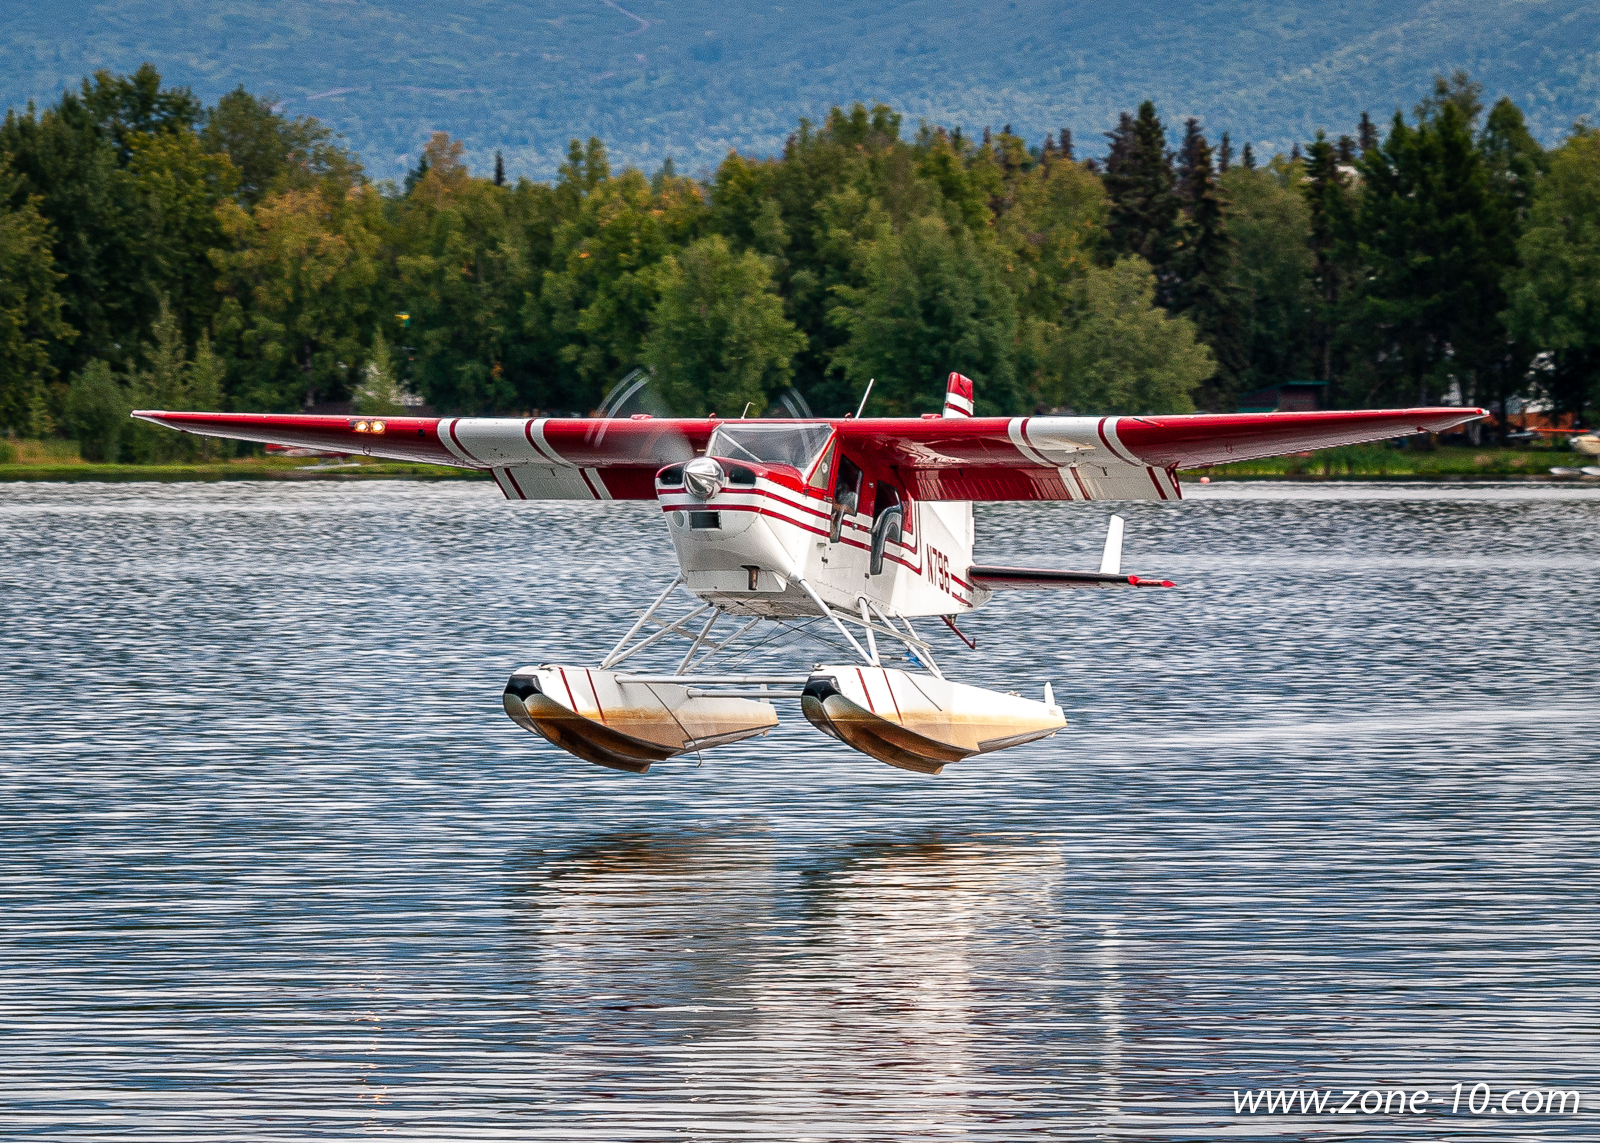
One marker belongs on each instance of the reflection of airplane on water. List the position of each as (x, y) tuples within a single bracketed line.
[(883, 986), (852, 527)]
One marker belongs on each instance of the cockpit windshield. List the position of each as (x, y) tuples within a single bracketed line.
[(795, 445)]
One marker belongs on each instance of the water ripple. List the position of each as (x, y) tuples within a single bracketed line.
[(278, 868)]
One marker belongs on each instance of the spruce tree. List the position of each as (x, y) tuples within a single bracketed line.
[(1064, 137), (1247, 158), (1436, 240), (1346, 150), (499, 170), (1324, 188), (1205, 269), (417, 173), (1294, 153), (1145, 206), (1224, 154), (1366, 134)]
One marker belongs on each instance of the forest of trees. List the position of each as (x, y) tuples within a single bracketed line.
[(157, 252)]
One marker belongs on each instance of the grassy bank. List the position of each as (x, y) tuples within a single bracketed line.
[(1376, 462), (59, 461)]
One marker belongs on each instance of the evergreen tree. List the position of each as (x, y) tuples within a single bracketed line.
[(1065, 144), (1247, 158), (1434, 240), (271, 152), (1224, 154), (1270, 223), (97, 411), (1517, 166), (380, 391), (126, 107), (1366, 134), (1516, 161), (206, 374), (1326, 197), (1461, 91), (1205, 269), (417, 173), (1145, 204), (499, 170), (30, 310), (162, 384)]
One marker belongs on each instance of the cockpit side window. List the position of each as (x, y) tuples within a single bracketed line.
[(823, 472), (848, 483)]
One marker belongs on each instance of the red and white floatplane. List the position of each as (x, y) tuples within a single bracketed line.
[(860, 525)]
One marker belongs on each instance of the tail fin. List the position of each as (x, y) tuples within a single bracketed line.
[(958, 396)]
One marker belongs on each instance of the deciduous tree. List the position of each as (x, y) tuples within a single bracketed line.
[(718, 339), (1119, 352), (1555, 291)]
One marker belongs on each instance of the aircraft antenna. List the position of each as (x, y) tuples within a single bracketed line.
[(862, 408)]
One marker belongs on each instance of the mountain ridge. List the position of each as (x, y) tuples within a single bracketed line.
[(690, 79)]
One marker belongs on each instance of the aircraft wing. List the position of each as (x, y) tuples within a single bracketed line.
[(1108, 458), (937, 458), (554, 458)]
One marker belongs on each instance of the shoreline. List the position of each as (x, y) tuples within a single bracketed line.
[(216, 473), (1447, 464)]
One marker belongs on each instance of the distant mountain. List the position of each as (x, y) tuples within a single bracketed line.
[(691, 78)]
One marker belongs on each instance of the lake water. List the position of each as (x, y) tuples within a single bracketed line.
[(276, 866)]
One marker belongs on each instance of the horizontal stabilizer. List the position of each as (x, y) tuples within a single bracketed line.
[(1050, 579)]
